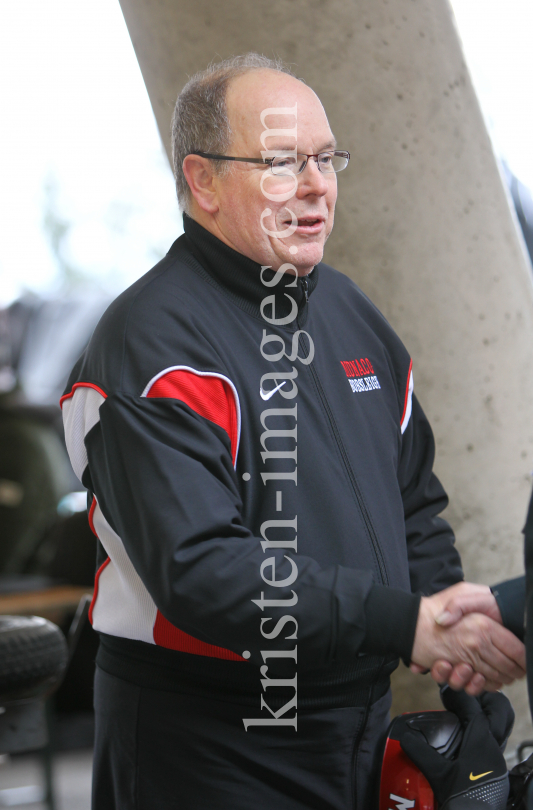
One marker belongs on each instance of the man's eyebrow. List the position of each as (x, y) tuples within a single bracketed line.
[(281, 148), (331, 144)]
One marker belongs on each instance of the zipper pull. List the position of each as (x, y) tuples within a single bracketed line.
[(306, 288)]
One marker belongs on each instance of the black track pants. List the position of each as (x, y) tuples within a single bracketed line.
[(159, 750)]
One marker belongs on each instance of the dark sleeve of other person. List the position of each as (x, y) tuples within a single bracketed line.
[(515, 596), (528, 547)]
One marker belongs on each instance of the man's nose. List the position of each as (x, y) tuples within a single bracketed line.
[(313, 181)]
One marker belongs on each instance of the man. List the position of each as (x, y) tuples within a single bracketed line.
[(263, 493)]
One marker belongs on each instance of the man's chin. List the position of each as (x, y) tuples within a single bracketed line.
[(305, 257)]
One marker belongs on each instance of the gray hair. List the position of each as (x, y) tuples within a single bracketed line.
[(200, 121)]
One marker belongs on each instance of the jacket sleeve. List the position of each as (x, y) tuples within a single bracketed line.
[(434, 563), (528, 554), (511, 598), (164, 480)]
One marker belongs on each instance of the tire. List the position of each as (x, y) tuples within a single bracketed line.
[(33, 657)]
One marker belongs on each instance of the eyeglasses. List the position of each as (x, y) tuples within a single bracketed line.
[(285, 165)]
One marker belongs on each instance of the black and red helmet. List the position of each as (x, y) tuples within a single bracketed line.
[(403, 786)]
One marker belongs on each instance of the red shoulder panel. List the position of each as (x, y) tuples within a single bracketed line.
[(91, 516), (208, 395), (166, 635), (406, 398)]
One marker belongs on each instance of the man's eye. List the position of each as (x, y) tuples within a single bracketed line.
[(325, 159), (283, 163)]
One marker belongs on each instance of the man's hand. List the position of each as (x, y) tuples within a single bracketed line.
[(476, 649), (462, 599)]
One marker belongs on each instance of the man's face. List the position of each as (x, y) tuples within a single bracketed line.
[(242, 201)]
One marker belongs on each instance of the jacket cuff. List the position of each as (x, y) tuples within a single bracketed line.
[(391, 617), (511, 599)]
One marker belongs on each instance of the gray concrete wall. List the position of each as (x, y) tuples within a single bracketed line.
[(423, 226)]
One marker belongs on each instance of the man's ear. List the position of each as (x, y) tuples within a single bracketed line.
[(199, 175)]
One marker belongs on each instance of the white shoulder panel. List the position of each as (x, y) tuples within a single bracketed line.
[(81, 412), (123, 606)]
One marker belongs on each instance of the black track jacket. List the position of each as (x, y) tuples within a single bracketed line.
[(251, 438)]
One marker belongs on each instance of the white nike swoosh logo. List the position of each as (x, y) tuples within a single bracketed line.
[(267, 394)]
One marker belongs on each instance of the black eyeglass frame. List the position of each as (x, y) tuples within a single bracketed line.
[(269, 161)]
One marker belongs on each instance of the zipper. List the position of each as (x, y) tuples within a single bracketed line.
[(358, 494), (378, 554), (363, 509)]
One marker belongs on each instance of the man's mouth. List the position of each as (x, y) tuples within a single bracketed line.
[(309, 225)]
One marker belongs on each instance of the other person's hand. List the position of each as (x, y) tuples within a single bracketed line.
[(467, 597), (493, 653), (477, 777)]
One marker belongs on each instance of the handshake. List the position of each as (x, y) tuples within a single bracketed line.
[(460, 638)]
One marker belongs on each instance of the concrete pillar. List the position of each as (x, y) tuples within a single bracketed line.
[(423, 226)]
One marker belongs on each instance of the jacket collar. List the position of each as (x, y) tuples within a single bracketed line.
[(240, 277)]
